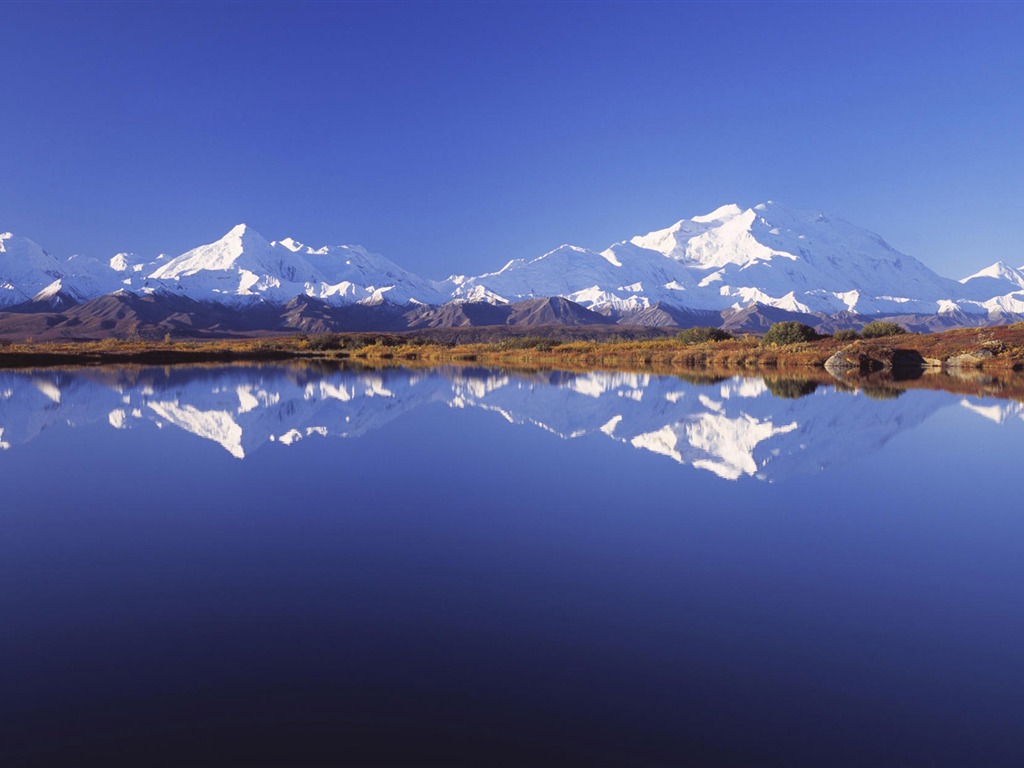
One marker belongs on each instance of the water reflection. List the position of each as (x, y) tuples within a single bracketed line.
[(734, 428)]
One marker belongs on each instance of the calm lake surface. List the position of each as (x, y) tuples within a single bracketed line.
[(284, 566)]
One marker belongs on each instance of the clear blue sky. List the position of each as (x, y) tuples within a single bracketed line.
[(452, 137)]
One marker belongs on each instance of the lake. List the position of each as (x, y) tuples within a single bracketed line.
[(310, 566)]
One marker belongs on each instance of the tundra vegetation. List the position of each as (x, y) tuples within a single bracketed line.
[(785, 348), (789, 332), (880, 328), (701, 334)]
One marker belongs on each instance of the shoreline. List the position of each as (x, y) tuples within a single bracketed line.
[(999, 348), (976, 361)]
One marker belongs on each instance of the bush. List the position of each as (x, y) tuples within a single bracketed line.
[(879, 328), (527, 342), (846, 334), (701, 334), (325, 341), (349, 342), (789, 332)]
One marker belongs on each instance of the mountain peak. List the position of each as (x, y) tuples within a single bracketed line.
[(290, 243), (119, 262), (9, 240), (721, 213), (241, 237), (243, 232), (673, 241), (998, 271), (240, 242)]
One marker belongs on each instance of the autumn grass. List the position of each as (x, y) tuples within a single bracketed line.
[(746, 353), (1003, 348), (793, 370), (742, 354)]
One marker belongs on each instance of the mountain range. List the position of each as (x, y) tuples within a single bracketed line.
[(737, 268)]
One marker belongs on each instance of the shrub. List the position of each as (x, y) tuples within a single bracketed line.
[(527, 342), (325, 341), (846, 334), (352, 342), (789, 332), (879, 328), (701, 334)]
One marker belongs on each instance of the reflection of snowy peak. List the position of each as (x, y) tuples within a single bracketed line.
[(737, 428), (713, 441), (734, 429), (240, 409), (245, 409), (998, 413)]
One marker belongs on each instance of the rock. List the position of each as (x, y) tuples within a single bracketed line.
[(839, 363), (970, 359), (852, 359)]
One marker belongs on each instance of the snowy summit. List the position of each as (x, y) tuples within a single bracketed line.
[(728, 259)]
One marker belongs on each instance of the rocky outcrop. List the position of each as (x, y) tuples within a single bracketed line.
[(863, 358), (846, 360), (973, 359)]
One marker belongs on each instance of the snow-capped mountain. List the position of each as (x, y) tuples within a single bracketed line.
[(240, 268), (730, 258), (726, 261), (25, 269), (998, 288), (243, 266)]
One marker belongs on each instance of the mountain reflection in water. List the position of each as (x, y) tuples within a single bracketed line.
[(506, 569), (734, 428)]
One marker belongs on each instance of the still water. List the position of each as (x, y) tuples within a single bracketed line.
[(283, 566)]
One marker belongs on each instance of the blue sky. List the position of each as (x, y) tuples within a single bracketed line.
[(453, 137)]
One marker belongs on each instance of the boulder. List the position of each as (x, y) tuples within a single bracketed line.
[(854, 359), (970, 359)]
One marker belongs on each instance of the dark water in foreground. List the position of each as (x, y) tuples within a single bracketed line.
[(195, 568)]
